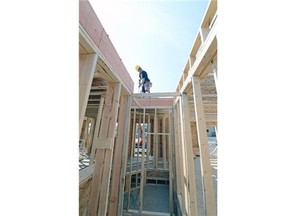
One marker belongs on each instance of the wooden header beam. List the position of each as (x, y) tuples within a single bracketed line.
[(156, 95), (153, 102)]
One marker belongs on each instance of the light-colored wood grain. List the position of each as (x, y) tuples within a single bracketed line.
[(190, 158), (171, 164), (124, 154), (96, 131), (164, 143), (180, 161), (103, 203), (87, 67), (131, 155), (115, 184), (148, 140), (142, 165), (204, 152), (182, 147), (104, 143)]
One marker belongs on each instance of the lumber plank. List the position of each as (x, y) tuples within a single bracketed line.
[(156, 95), (104, 143), (103, 203), (131, 155), (137, 163), (125, 154), (87, 67), (155, 144), (142, 165), (100, 154), (171, 170), (96, 131), (114, 194), (203, 146), (164, 143), (182, 156), (190, 158), (91, 135), (148, 141)]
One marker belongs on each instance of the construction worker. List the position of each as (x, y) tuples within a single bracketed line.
[(144, 81)]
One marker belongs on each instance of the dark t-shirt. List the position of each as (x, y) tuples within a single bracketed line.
[(143, 74)]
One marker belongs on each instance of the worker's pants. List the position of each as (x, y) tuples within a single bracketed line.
[(145, 87)]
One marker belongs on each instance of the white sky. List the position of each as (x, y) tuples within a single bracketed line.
[(157, 35)]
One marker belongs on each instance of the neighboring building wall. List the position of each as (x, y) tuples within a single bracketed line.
[(211, 131)]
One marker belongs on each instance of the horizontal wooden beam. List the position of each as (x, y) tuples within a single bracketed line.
[(156, 95), (92, 105), (153, 102), (148, 213), (98, 87), (209, 49), (97, 93), (93, 100), (152, 107), (159, 133)]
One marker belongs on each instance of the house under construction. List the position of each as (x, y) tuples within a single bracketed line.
[(146, 154)]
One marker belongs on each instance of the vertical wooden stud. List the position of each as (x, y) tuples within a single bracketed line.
[(131, 156), (204, 152), (97, 128), (182, 162), (124, 155), (87, 67), (114, 193), (117, 182), (109, 153), (164, 143), (171, 171), (148, 141), (142, 166), (190, 156), (103, 163)]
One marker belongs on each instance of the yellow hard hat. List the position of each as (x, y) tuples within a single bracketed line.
[(137, 67)]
